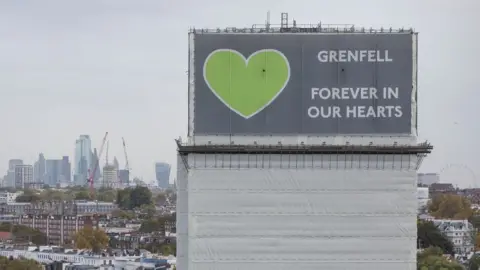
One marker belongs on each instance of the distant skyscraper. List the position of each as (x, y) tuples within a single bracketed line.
[(24, 176), (58, 171), (66, 170), (110, 176), (83, 159), (39, 169), (124, 177), (12, 163), (9, 179), (115, 163), (96, 163), (53, 174), (162, 173)]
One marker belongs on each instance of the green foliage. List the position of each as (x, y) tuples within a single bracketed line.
[(107, 195), (24, 232), (430, 236), (125, 214), (28, 196), (131, 198), (432, 259), (474, 263), (450, 206), (19, 264), (82, 195), (156, 224)]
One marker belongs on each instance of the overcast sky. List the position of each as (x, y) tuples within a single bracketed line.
[(85, 67)]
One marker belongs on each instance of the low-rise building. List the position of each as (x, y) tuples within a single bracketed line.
[(8, 197), (460, 232)]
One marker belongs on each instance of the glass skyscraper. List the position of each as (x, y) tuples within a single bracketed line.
[(83, 159), (162, 173)]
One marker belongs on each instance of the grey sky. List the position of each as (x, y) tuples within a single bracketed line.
[(86, 67)]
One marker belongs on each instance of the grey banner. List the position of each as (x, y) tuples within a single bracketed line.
[(328, 84)]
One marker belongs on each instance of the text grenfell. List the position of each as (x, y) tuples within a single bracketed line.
[(335, 56)]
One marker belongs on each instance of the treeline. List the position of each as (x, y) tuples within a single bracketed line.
[(18, 264)]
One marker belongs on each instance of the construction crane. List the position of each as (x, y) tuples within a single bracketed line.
[(91, 176), (127, 165)]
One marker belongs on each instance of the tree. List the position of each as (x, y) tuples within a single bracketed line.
[(432, 259), (123, 198), (82, 195), (28, 196), (147, 211), (107, 196), (53, 195), (474, 262), (450, 206), (131, 198), (19, 264), (149, 226), (125, 214), (430, 236), (90, 238), (160, 198), (24, 232), (140, 196)]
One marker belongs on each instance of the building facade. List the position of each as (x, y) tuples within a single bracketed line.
[(23, 176), (39, 169), (110, 177), (162, 173), (427, 179), (460, 232), (83, 159)]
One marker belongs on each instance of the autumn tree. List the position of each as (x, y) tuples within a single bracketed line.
[(450, 206), (432, 259), (90, 238)]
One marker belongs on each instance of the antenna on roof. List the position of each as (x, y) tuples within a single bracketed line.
[(267, 23)]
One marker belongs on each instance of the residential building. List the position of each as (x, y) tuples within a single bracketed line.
[(59, 229), (86, 207), (162, 173), (39, 169), (23, 176), (437, 188), (83, 159), (8, 197), (460, 232)]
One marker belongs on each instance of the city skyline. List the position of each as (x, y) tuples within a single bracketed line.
[(41, 173), (70, 68)]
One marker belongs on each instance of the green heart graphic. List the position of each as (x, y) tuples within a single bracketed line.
[(246, 86)]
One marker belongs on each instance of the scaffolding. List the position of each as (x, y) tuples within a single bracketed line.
[(379, 157)]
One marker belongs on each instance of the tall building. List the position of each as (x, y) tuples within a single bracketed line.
[(162, 173), (96, 163), (58, 171), (24, 176), (9, 179), (66, 170), (39, 169), (12, 163), (110, 176), (115, 163), (124, 177), (83, 159)]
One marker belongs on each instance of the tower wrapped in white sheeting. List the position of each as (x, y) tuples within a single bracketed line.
[(297, 209)]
